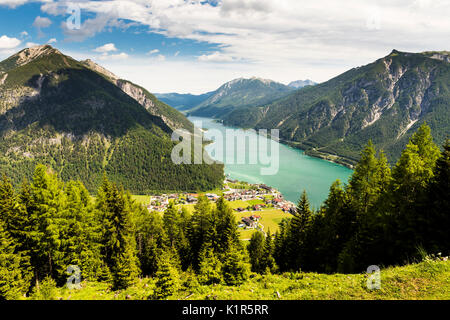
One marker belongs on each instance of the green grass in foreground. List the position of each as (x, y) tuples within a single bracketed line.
[(425, 280)]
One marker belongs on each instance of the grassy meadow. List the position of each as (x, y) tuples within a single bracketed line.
[(425, 280)]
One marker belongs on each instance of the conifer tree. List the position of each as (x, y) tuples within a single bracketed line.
[(13, 214), (171, 220), (297, 233), (151, 241), (44, 200), (415, 167), (436, 209), (14, 276), (280, 253), (79, 232), (255, 250), (198, 229), (235, 269), (367, 180), (226, 230), (411, 176), (210, 267), (268, 264), (118, 235), (167, 276)]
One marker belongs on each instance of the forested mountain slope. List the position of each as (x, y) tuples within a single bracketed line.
[(240, 93), (56, 111), (385, 101)]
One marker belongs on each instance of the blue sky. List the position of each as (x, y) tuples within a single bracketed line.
[(195, 46)]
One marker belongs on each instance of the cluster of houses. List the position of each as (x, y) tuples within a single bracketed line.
[(286, 206), (249, 194), (160, 202), (249, 222), (278, 203), (257, 191)]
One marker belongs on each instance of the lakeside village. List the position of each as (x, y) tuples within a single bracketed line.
[(250, 201)]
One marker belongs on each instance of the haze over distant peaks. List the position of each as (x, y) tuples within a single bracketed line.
[(301, 83)]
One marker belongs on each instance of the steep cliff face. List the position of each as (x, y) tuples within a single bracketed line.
[(384, 101), (173, 118)]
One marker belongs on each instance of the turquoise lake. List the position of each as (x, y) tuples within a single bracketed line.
[(296, 171)]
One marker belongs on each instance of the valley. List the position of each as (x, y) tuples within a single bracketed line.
[(297, 171), (89, 184), (384, 101)]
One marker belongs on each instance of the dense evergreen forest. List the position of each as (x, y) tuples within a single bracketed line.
[(383, 216)]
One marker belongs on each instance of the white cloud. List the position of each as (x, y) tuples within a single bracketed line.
[(284, 40), (89, 28), (119, 56), (160, 57), (24, 34), (52, 40), (176, 54), (42, 22), (12, 3), (216, 57), (31, 44), (153, 51), (8, 43), (106, 48)]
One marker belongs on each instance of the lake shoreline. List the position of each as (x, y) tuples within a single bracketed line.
[(297, 170), (339, 159)]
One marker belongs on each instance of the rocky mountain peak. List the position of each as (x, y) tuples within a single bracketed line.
[(98, 68), (30, 54)]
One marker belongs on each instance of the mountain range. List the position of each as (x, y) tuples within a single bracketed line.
[(301, 83), (233, 95), (183, 102), (82, 120), (385, 101)]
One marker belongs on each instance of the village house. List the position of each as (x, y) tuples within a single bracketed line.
[(251, 224), (212, 196), (276, 201), (266, 188)]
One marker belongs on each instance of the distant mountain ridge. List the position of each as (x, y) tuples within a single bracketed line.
[(240, 93), (183, 102), (301, 83), (385, 101), (235, 94), (81, 120)]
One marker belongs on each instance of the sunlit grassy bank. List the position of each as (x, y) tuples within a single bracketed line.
[(425, 280)]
